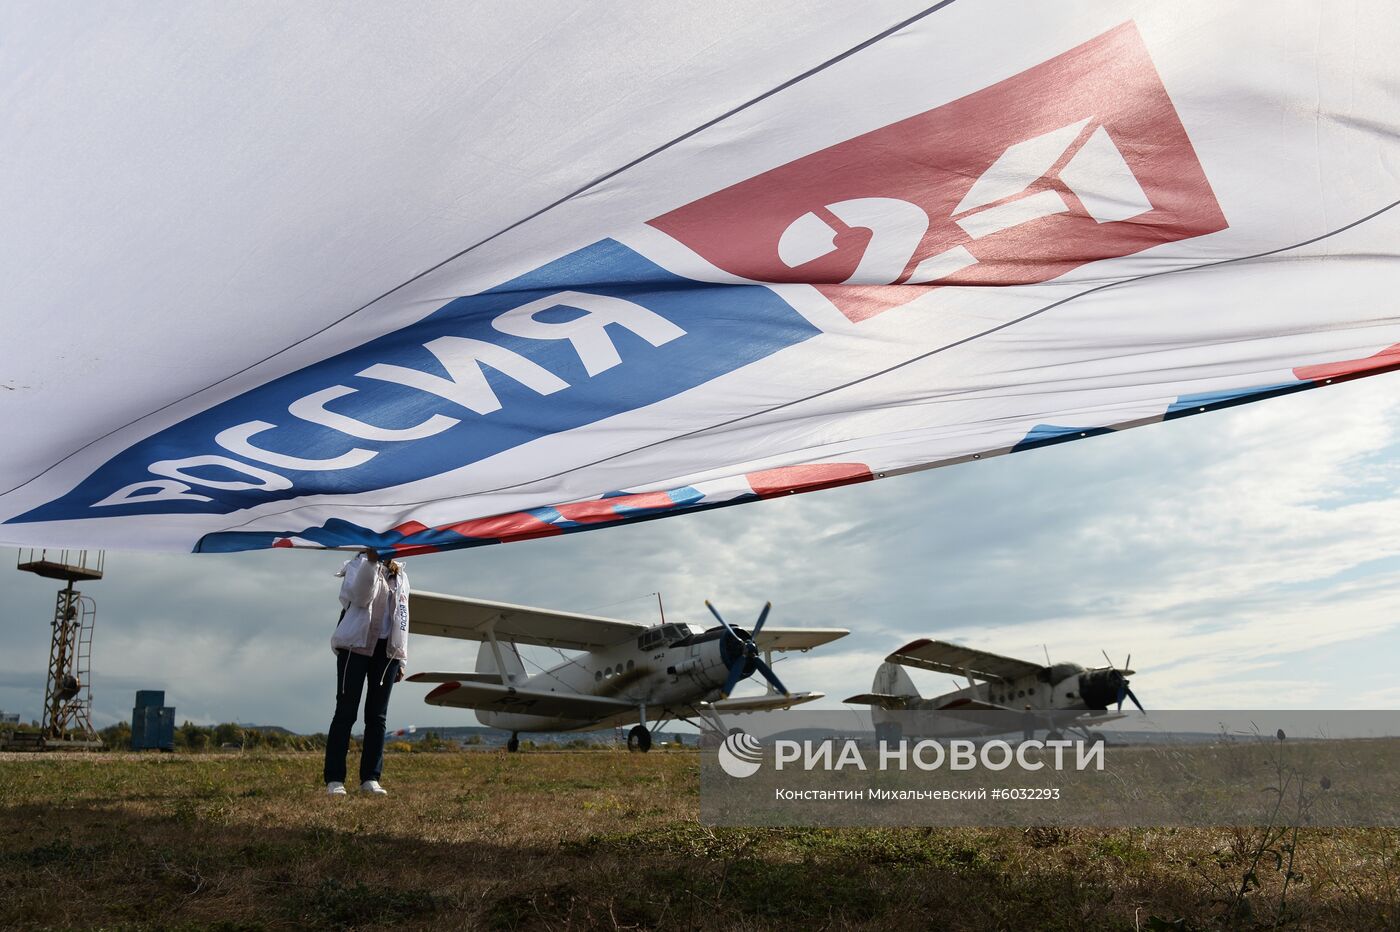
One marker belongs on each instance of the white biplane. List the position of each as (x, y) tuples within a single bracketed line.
[(627, 672), (1003, 694)]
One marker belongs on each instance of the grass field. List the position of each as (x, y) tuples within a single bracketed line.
[(603, 840)]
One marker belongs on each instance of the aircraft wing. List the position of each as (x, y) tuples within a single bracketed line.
[(883, 700), (888, 701), (944, 657), (976, 713), (1094, 718), (493, 698), (493, 678), (974, 705), (455, 616), (776, 638), (762, 703), (1008, 719)]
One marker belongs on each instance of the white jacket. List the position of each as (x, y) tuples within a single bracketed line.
[(365, 595)]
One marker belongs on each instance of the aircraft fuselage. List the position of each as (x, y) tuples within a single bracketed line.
[(1061, 688), (667, 668)]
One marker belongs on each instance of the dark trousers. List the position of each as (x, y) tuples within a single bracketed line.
[(352, 670)]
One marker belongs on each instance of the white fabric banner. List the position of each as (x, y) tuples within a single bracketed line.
[(303, 276)]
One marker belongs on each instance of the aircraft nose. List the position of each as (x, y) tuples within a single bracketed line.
[(1099, 689)]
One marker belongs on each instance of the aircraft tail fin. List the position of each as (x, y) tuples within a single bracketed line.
[(892, 680), (514, 671)]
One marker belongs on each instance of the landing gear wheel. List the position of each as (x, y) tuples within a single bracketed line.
[(639, 739), (513, 744)]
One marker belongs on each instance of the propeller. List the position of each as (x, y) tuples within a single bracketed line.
[(1110, 684), (747, 660), (1125, 693)]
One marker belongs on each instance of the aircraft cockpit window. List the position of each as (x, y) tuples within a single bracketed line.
[(691, 639)]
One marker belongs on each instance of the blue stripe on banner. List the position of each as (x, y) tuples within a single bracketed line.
[(1192, 404), (1043, 435), (672, 334)]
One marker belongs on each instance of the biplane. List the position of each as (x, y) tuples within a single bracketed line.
[(622, 672), (1003, 694)]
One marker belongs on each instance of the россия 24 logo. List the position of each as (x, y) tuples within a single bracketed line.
[(1015, 184), (1078, 159)]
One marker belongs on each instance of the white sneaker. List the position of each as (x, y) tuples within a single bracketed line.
[(372, 786), (335, 789)]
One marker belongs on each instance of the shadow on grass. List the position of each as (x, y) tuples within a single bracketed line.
[(99, 864)]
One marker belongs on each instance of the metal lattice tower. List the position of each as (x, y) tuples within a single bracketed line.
[(68, 693)]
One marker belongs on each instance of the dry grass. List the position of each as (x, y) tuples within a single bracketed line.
[(598, 839)]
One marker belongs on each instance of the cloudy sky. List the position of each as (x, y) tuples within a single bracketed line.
[(1248, 558)]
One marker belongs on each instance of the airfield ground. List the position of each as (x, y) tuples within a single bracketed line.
[(602, 839)]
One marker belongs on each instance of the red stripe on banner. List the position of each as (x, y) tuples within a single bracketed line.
[(1388, 358), (409, 528), (790, 479), (519, 525), (414, 550), (605, 509)]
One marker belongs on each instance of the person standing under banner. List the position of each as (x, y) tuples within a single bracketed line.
[(371, 647)]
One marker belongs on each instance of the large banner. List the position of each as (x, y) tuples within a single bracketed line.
[(279, 278)]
